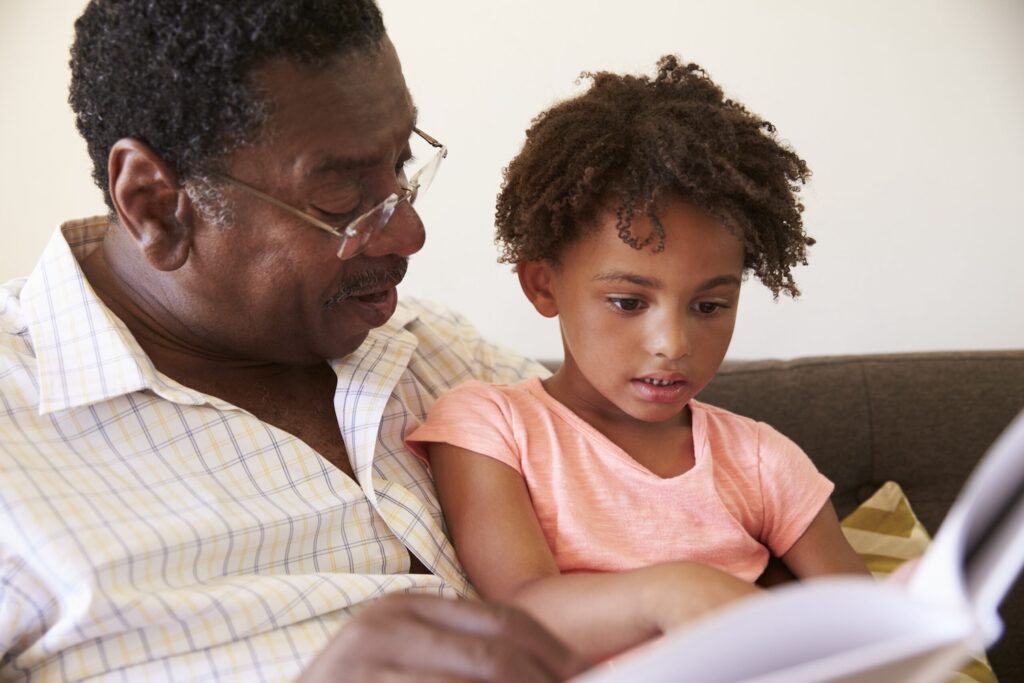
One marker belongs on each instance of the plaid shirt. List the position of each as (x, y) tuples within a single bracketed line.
[(150, 531)]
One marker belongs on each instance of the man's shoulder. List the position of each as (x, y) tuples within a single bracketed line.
[(436, 327), (413, 312), (449, 341), (14, 335)]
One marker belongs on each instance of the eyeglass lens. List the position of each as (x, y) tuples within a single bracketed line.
[(359, 233)]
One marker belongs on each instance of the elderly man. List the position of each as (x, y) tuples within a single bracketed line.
[(203, 396)]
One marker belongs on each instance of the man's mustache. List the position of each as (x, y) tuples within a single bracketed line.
[(370, 281)]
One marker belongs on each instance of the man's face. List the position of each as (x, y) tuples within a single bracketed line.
[(270, 286)]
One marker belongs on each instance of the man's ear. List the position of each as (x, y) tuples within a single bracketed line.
[(537, 280), (153, 208)]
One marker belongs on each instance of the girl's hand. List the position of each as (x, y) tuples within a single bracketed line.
[(676, 593)]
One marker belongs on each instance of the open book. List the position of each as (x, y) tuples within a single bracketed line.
[(853, 629)]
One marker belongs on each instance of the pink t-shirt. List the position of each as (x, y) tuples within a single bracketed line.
[(751, 489)]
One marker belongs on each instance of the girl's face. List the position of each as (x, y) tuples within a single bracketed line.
[(643, 332)]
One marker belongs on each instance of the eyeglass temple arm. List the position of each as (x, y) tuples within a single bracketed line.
[(430, 140), (246, 187)]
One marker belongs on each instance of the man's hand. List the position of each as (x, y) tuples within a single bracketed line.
[(431, 640)]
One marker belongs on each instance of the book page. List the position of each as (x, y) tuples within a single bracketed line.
[(978, 552), (854, 630), (824, 629)]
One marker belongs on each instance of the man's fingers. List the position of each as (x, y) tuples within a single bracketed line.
[(502, 623), (476, 640), (409, 637), (395, 675)]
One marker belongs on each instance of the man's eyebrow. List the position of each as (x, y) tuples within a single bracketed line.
[(341, 165)]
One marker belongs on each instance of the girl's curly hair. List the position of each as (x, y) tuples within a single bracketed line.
[(630, 141)]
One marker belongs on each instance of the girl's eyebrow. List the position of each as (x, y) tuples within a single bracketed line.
[(631, 278), (652, 283), (718, 281)]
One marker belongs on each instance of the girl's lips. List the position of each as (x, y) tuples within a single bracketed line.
[(374, 308), (655, 393)]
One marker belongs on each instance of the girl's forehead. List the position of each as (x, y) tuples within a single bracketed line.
[(692, 240)]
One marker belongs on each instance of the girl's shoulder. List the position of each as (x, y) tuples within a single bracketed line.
[(721, 424), (514, 397)]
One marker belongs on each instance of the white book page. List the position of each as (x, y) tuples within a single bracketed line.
[(832, 628), (978, 551)]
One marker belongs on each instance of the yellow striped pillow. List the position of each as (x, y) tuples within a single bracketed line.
[(885, 533)]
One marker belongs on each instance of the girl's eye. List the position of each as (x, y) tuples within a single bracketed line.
[(708, 307), (626, 303)]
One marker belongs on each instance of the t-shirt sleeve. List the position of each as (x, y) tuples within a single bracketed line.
[(474, 416), (792, 489)]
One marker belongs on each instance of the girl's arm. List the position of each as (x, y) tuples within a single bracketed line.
[(496, 533), (823, 549)]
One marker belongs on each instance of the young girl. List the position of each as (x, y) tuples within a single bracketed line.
[(605, 499)]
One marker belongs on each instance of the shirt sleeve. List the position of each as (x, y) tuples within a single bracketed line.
[(474, 416), (793, 490)]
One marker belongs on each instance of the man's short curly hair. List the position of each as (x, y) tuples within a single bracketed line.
[(175, 73), (629, 142)]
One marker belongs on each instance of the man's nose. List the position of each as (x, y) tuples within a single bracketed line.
[(403, 235)]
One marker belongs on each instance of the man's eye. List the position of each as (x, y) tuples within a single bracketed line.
[(337, 217), (626, 303), (335, 207), (403, 166)]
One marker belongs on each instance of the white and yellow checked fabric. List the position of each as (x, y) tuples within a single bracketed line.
[(151, 532)]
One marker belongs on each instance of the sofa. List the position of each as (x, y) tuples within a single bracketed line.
[(919, 419)]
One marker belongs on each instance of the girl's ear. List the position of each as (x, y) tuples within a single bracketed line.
[(537, 280)]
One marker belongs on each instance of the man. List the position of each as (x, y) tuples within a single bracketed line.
[(203, 398)]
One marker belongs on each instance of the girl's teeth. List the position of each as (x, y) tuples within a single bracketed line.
[(659, 382)]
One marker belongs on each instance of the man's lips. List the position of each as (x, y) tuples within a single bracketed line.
[(374, 308), (369, 286)]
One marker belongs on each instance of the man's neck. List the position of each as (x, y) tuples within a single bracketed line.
[(174, 350)]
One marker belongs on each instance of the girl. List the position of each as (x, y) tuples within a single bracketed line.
[(605, 499)]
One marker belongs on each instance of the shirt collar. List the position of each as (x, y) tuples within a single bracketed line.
[(85, 353)]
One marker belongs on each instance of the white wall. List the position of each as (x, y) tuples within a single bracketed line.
[(910, 114)]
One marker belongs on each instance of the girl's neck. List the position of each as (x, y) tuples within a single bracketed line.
[(664, 448)]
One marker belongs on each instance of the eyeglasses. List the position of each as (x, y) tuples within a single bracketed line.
[(357, 234)]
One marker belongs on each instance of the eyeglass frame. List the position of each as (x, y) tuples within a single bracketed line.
[(388, 205)]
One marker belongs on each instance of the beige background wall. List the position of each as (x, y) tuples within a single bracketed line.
[(910, 114)]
